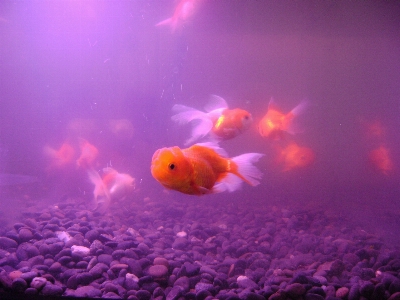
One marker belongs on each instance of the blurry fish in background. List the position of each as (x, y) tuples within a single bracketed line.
[(203, 169), (381, 161), (293, 157), (81, 127), (110, 187), (60, 158), (218, 122), (275, 123), (121, 128), (183, 11), (88, 154), (373, 129)]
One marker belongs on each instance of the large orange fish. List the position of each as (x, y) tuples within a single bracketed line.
[(293, 157), (183, 11), (203, 169), (274, 123), (381, 161), (218, 122)]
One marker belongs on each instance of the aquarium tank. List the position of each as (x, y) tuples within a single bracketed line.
[(199, 149)]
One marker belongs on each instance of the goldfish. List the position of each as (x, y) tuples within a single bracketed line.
[(380, 160), (218, 121), (88, 154), (112, 186), (293, 156), (203, 169), (274, 123), (61, 157), (183, 11)]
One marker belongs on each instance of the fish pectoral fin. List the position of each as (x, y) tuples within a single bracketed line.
[(204, 191)]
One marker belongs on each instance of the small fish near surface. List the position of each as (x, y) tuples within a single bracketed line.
[(183, 11), (203, 169), (110, 187), (295, 157), (218, 121), (275, 123)]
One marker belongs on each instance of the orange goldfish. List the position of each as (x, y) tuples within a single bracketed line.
[(61, 157), (88, 154), (293, 156), (381, 160), (203, 169), (218, 121), (183, 11), (274, 123), (112, 186)]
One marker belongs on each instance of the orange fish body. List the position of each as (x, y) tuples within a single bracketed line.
[(88, 155), (231, 123), (294, 156), (274, 123), (200, 169), (381, 161)]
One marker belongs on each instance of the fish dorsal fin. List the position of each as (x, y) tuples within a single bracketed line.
[(215, 147), (272, 104), (215, 103)]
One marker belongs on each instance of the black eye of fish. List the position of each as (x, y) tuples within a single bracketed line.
[(171, 166)]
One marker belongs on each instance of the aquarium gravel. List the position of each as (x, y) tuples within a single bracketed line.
[(158, 250)]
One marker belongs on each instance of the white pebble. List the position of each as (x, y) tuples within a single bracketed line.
[(132, 276), (242, 278), (80, 250), (181, 234), (38, 282), (63, 236)]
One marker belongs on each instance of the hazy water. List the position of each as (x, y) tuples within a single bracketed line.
[(89, 62)]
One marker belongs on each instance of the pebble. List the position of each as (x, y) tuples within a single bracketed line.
[(173, 254), (38, 282)]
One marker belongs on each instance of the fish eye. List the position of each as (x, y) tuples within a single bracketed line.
[(171, 166)]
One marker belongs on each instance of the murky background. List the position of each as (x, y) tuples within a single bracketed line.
[(69, 68)]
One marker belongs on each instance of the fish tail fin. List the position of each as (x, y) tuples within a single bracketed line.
[(300, 108), (242, 169), (293, 127), (202, 123), (245, 168), (101, 196), (165, 22)]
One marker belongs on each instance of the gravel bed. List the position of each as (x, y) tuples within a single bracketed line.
[(194, 250)]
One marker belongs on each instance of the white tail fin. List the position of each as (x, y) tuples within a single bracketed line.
[(100, 192), (202, 123), (246, 171), (294, 127), (165, 22), (246, 168), (300, 108)]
